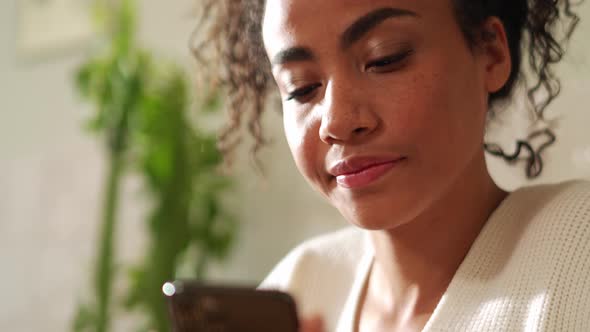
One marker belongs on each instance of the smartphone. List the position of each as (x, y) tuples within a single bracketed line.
[(196, 307)]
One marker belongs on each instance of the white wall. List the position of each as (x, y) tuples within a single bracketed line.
[(51, 176)]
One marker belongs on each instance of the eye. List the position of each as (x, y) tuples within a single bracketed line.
[(388, 63), (301, 94)]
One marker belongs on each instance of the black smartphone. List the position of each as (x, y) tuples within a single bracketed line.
[(196, 307)]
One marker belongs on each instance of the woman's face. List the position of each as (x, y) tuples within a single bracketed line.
[(384, 103)]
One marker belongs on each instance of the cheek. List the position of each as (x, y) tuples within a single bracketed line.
[(293, 133), (304, 146), (455, 128), (413, 110), (449, 106), (439, 113)]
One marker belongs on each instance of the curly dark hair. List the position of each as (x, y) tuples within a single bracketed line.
[(234, 45)]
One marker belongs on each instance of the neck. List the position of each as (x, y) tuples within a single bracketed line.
[(415, 262)]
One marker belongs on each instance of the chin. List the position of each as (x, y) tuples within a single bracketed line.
[(384, 211), (377, 219)]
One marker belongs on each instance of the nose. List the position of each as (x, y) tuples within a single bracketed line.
[(347, 115)]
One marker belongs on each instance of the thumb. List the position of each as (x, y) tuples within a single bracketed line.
[(314, 324)]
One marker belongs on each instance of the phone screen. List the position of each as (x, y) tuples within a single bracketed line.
[(197, 307)]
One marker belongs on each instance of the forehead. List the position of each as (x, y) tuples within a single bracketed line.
[(303, 22)]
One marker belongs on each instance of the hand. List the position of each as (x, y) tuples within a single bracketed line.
[(314, 324)]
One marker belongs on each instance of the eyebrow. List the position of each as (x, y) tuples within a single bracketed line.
[(293, 54), (350, 36), (366, 23)]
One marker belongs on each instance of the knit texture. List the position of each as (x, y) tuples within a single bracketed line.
[(528, 270)]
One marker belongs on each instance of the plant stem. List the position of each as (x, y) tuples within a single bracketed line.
[(105, 260)]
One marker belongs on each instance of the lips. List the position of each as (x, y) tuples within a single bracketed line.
[(359, 172)]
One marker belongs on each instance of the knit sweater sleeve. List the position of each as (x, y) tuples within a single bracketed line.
[(569, 304), (528, 270)]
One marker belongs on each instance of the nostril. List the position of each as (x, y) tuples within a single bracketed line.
[(360, 130)]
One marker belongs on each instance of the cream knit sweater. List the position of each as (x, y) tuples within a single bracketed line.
[(528, 270)]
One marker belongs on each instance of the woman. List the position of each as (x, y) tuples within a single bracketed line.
[(385, 104)]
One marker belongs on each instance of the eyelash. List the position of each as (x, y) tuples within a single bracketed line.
[(388, 61), (299, 94), (302, 92)]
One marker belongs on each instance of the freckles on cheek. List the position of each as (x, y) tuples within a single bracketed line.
[(421, 120), (413, 108), (431, 99)]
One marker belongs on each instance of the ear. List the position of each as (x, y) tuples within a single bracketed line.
[(496, 54)]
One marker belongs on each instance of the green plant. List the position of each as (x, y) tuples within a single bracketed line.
[(142, 106)]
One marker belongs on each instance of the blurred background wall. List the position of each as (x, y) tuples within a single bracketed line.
[(51, 175)]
